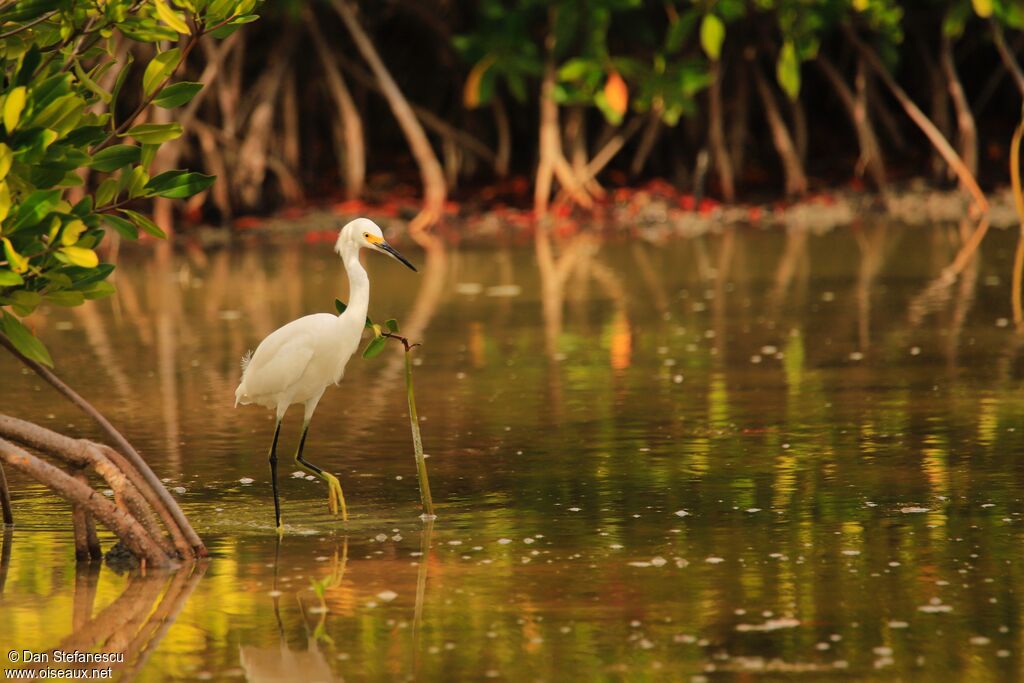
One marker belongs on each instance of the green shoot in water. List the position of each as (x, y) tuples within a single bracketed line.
[(374, 349)]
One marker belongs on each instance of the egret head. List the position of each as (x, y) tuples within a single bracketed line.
[(362, 233)]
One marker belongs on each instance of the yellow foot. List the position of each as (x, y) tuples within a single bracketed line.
[(335, 498), (280, 528)]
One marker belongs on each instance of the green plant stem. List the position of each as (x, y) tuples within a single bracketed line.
[(417, 443)]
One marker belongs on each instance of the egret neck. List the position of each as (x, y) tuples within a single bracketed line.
[(358, 285), (351, 321)]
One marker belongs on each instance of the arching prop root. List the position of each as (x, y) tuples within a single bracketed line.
[(185, 541), (63, 464)]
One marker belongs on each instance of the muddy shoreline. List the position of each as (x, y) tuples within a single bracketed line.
[(653, 212)]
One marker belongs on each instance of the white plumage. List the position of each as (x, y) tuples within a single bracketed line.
[(297, 362)]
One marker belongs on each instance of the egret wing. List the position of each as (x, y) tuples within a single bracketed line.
[(274, 370)]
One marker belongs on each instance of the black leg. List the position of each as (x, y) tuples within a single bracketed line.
[(273, 475)]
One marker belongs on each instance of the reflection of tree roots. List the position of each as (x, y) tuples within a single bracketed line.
[(937, 293), (932, 298), (135, 622)]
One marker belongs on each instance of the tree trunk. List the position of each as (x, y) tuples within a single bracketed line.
[(939, 114), (799, 130), (881, 112), (716, 134), (1007, 55), (967, 140), (552, 161), (611, 147), (250, 168), (430, 120), (352, 157), (291, 144), (647, 141), (740, 118), (430, 169), (503, 153), (857, 109), (795, 178), (967, 179)]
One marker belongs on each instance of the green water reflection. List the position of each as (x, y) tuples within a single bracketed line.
[(757, 452)]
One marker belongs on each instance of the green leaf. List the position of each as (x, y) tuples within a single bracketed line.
[(712, 35), (179, 184), (85, 136), (5, 200), (177, 94), (89, 276), (171, 18), (375, 347), (392, 325), (787, 71), (66, 298), (34, 209), (106, 192), (89, 83), (115, 157), (80, 256), (26, 10), (6, 159), (159, 69), (26, 342), (148, 154), (72, 233), (14, 103), (145, 224), (61, 115), (124, 228), (10, 278), (154, 133), (99, 290), (15, 261), (23, 301), (122, 76), (577, 68), (137, 182)]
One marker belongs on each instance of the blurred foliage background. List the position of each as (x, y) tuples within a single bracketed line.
[(522, 100)]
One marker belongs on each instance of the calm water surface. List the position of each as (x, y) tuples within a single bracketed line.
[(758, 454)]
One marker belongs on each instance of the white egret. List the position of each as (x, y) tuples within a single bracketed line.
[(297, 362)]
